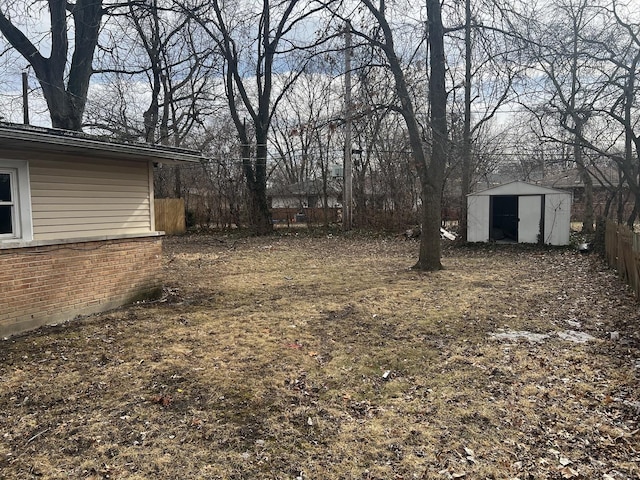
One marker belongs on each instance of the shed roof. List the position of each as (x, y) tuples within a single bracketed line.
[(52, 140), (519, 188)]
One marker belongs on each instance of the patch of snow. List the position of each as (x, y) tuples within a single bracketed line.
[(574, 323), (520, 334), (577, 337), (567, 335)]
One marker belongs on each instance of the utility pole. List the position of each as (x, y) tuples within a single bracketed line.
[(466, 134), (347, 174), (25, 98)]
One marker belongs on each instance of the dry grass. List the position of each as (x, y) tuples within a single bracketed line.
[(326, 358)]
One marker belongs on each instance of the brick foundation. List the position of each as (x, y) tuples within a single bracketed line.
[(51, 284)]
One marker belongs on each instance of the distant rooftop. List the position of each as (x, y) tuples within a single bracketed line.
[(571, 178)]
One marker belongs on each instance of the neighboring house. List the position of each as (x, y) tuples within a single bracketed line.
[(77, 233), (604, 181), (307, 194), (519, 212), (305, 201)]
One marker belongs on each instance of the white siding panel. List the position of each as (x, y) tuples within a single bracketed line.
[(86, 198), (89, 186), (58, 209), (120, 226), (96, 201), (72, 176), (477, 218), (557, 219), (529, 218), (79, 218)]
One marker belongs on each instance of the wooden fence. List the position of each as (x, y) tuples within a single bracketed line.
[(304, 215), (169, 214), (622, 249)]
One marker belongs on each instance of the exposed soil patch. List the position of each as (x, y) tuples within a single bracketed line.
[(327, 358)]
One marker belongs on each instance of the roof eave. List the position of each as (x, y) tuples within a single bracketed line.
[(69, 144)]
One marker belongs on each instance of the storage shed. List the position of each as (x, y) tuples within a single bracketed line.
[(519, 212), (77, 229)]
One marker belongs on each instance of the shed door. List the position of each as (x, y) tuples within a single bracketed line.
[(530, 218), (504, 218)]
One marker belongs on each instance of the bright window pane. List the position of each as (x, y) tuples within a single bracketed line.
[(6, 225), (5, 187)]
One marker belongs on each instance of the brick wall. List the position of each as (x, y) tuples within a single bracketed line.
[(51, 284)]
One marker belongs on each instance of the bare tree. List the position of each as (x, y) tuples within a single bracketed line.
[(153, 43), (256, 76), (594, 88), (304, 133), (491, 65), (562, 58), (429, 160), (64, 82)]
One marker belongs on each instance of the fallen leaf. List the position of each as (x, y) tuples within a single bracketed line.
[(568, 472), (164, 400)]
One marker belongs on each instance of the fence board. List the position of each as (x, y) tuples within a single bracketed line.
[(622, 252), (169, 215)]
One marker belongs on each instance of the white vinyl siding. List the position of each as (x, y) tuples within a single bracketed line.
[(89, 198)]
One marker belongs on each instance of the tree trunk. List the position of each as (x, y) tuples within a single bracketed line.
[(62, 112), (66, 103), (429, 256), (633, 215), (432, 182), (431, 172), (256, 176), (587, 215)]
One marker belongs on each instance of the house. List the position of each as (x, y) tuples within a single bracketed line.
[(77, 232), (307, 194), (305, 201), (519, 212), (606, 190)]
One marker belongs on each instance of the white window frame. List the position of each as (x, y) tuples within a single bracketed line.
[(13, 202), (21, 200)]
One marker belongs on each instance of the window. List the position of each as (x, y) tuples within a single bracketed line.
[(8, 225), (15, 203)]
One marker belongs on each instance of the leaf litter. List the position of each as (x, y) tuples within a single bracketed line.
[(300, 357)]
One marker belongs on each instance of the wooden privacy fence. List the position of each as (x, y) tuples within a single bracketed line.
[(622, 249), (304, 215), (169, 215)]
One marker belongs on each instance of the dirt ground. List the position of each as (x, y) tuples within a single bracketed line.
[(294, 357)]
